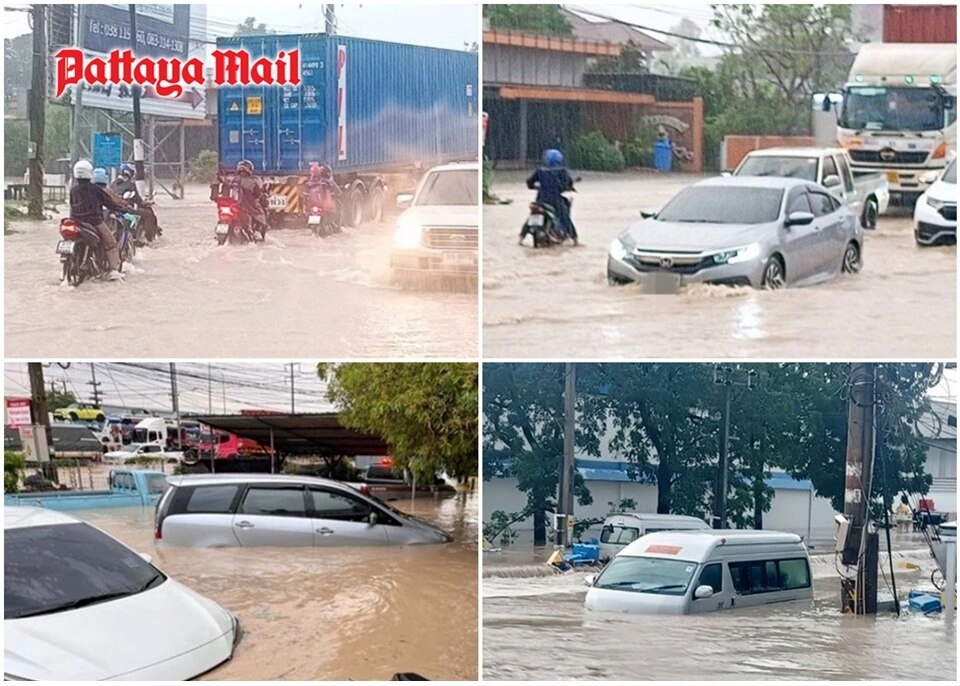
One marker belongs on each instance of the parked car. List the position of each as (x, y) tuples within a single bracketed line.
[(438, 232), (765, 232), (935, 214), (128, 487), (281, 510), (85, 412), (80, 605), (621, 529), (866, 194), (689, 572), (134, 451)]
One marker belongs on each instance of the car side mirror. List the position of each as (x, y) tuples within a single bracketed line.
[(831, 181), (799, 219), (950, 102), (372, 518), (726, 173), (589, 579), (702, 592), (146, 557), (648, 214), (929, 177), (404, 199)]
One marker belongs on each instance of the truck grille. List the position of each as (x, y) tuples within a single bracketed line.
[(899, 157), (949, 212), (450, 238)]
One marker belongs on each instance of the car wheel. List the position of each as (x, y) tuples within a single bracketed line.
[(774, 274), (101, 418), (73, 416), (870, 213), (851, 258)]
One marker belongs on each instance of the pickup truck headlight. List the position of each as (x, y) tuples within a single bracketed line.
[(618, 250), (744, 254), (407, 234), (934, 203)]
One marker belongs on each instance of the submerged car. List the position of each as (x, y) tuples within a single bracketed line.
[(80, 605), (280, 510), (764, 232), (935, 214)]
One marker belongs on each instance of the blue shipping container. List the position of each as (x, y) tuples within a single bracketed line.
[(362, 106)]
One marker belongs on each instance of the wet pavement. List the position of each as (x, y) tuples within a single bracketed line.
[(335, 613), (902, 304), (186, 297), (537, 628)]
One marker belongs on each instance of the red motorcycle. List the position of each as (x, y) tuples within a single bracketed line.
[(228, 220), (322, 215)]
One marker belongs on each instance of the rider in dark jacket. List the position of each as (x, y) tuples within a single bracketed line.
[(550, 181), (252, 197), (126, 183)]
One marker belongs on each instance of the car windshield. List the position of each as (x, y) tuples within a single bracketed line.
[(723, 205), (892, 109), (454, 187), (791, 167), (647, 575), (950, 176), (60, 567)]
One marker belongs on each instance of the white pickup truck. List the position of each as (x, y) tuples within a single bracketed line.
[(866, 195), (135, 451)]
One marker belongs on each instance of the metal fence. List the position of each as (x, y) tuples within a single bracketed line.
[(663, 88), (78, 474)]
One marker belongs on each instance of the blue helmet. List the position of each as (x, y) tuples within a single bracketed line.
[(127, 170), (553, 158), (100, 176)]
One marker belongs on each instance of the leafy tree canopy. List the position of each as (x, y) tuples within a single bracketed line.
[(543, 19), (250, 27)]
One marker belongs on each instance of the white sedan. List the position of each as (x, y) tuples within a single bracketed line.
[(80, 605), (133, 451), (935, 215)]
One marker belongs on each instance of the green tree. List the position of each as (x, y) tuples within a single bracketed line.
[(57, 399), (543, 19), (523, 433), (250, 27), (13, 466), (426, 412)]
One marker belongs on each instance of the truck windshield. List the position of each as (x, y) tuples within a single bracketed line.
[(647, 575), (455, 187), (790, 167), (869, 108), (59, 567), (723, 205)]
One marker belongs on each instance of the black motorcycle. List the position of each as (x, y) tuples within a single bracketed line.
[(542, 225), (81, 253)]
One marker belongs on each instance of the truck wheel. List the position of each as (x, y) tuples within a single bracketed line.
[(870, 213), (375, 204), (354, 208)]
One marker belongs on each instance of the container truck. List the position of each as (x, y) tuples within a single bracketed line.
[(377, 113), (899, 112)]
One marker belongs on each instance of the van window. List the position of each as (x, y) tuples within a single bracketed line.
[(618, 535), (768, 576), (712, 576), (328, 505), (279, 502), (213, 499)]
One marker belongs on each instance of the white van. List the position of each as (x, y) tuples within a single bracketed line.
[(620, 530), (150, 430), (687, 572)]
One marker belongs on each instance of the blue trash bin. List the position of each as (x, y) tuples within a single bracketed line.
[(662, 155)]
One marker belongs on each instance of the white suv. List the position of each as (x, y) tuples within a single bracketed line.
[(438, 232), (935, 215)]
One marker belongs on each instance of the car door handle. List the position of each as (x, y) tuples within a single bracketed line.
[(244, 525), (325, 531)]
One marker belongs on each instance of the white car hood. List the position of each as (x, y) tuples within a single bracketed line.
[(942, 191), (148, 633), (441, 215)]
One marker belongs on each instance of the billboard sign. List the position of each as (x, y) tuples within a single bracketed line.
[(18, 411)]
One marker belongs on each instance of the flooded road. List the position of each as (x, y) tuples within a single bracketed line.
[(335, 613), (537, 628), (186, 297), (902, 304)]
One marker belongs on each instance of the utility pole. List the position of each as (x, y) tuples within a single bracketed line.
[(41, 415), (858, 593), (565, 501), (138, 155), (329, 19), (209, 388), (96, 385), (76, 100), (294, 368), (36, 112), (728, 377), (223, 386), (176, 399)]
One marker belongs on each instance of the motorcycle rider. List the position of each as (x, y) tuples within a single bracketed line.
[(252, 198), (87, 201), (322, 190), (126, 183), (551, 180)]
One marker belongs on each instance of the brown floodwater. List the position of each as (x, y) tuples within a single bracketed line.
[(536, 627), (335, 613)]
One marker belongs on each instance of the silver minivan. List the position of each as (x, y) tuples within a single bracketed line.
[(231, 510), (689, 572), (622, 529)]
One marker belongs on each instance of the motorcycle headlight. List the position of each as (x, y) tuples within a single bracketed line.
[(934, 203), (407, 234), (618, 250), (744, 254)]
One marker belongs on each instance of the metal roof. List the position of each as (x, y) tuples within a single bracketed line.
[(299, 434)]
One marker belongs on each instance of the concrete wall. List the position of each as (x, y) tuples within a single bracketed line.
[(735, 148)]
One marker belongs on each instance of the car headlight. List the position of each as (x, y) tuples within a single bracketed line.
[(744, 254), (618, 250), (934, 203), (407, 234)]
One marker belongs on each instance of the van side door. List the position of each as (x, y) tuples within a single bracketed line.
[(273, 515), (339, 518), (711, 574)]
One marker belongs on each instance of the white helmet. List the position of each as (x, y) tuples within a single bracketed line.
[(83, 170)]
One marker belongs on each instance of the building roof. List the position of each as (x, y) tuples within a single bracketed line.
[(612, 470), (588, 27), (299, 434)]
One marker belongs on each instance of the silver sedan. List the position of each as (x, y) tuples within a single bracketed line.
[(749, 231)]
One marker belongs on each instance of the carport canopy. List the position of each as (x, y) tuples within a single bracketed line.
[(299, 434)]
